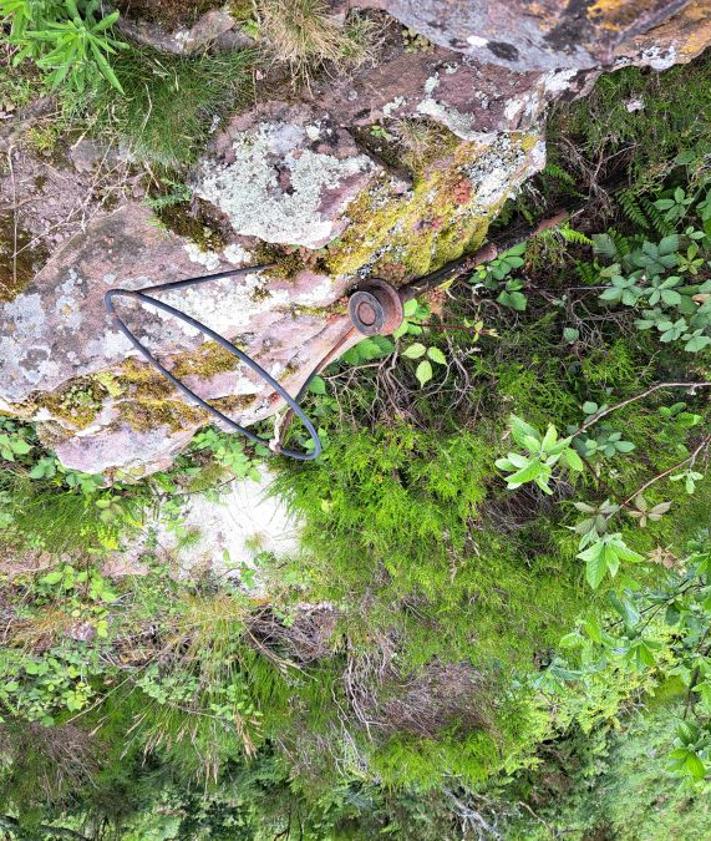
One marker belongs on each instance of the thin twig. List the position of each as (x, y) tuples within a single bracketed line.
[(689, 459), (604, 412)]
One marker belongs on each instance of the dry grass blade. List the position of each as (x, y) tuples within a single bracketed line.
[(306, 35)]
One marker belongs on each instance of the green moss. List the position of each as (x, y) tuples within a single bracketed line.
[(403, 237), (77, 403), (195, 221), (206, 361), (19, 258), (144, 415)]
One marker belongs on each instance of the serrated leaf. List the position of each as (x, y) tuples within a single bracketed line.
[(436, 355)]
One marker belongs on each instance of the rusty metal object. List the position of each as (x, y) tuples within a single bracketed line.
[(376, 309)]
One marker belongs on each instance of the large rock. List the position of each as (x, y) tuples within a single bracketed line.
[(284, 177), (325, 188), (550, 34), (56, 337)]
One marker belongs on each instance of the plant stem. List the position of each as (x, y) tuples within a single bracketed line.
[(604, 412), (692, 458)]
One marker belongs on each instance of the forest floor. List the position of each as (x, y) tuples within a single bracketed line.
[(483, 613)]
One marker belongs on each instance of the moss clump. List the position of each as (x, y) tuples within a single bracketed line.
[(19, 259), (143, 415), (77, 403), (209, 359), (401, 238), (195, 221)]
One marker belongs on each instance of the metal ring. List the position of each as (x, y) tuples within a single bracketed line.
[(141, 295)]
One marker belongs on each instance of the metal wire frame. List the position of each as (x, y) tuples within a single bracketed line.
[(143, 297)]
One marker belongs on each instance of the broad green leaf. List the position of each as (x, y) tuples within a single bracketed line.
[(436, 355), (573, 460), (527, 474), (317, 385), (409, 308), (414, 351), (424, 372), (520, 429)]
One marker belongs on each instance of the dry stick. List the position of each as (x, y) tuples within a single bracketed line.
[(601, 414), (692, 458)]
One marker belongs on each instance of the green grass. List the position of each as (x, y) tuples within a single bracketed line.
[(167, 114)]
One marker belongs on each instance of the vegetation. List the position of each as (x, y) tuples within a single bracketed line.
[(497, 625)]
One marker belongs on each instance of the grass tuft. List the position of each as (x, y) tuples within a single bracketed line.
[(171, 102), (304, 35)]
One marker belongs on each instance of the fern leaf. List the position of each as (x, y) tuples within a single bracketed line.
[(632, 210)]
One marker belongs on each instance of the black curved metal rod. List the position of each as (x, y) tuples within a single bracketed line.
[(148, 300)]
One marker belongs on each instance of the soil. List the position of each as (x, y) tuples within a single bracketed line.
[(171, 14)]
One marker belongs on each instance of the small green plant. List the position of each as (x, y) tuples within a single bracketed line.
[(495, 276), (228, 452), (542, 453), (64, 39), (424, 372), (13, 440)]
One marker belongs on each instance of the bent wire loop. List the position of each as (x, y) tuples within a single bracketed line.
[(144, 298)]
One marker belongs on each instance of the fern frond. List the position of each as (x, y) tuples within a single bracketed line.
[(557, 172), (630, 206), (587, 273), (571, 235), (622, 243), (659, 223)]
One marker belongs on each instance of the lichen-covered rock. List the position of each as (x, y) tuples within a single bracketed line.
[(63, 363), (286, 179), (389, 172), (548, 35)]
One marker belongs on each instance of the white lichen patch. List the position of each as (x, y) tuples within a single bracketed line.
[(230, 306), (209, 259), (279, 189), (68, 303), (236, 255), (390, 107), (232, 533), (477, 41), (500, 169)]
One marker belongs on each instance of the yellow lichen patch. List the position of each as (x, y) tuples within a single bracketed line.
[(145, 414), (446, 213), (613, 15), (76, 403), (209, 359)]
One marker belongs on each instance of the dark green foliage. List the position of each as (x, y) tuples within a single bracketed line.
[(613, 786), (650, 121)]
